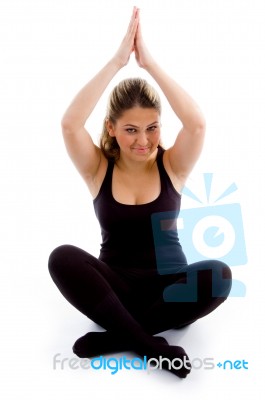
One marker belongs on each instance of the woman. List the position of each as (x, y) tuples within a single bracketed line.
[(133, 179)]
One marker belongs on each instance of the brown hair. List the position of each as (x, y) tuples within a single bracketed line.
[(129, 93)]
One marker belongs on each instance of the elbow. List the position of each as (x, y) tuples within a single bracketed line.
[(199, 127), (67, 126), (195, 123)]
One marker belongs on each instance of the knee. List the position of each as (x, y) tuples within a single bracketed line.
[(58, 258), (221, 279)]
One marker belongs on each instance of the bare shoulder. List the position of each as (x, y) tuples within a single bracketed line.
[(86, 156), (177, 182), (94, 182)]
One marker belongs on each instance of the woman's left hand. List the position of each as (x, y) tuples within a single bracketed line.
[(142, 55), (123, 53)]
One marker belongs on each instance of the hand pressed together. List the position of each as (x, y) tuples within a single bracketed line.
[(133, 42)]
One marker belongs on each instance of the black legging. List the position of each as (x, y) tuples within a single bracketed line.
[(119, 303)]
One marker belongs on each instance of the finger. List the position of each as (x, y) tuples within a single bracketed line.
[(134, 21), (138, 35)]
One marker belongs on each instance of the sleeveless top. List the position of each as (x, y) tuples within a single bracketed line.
[(142, 237)]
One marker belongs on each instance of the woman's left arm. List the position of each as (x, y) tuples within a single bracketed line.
[(186, 150)]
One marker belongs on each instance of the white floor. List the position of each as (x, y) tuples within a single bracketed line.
[(42, 324)]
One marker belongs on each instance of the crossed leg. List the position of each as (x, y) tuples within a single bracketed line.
[(104, 297)]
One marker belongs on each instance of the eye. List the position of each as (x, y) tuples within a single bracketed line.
[(152, 128), (131, 130)]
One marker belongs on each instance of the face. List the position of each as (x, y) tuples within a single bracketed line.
[(137, 132)]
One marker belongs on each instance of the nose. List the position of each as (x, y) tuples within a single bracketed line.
[(142, 139)]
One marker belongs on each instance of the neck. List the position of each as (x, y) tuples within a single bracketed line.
[(126, 164)]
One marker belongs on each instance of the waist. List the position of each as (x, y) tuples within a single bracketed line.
[(160, 261), (128, 259)]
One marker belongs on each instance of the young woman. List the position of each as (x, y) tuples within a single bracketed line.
[(132, 179)]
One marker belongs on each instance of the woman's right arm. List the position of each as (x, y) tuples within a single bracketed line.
[(84, 153)]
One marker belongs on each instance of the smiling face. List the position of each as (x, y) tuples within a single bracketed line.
[(137, 132), (133, 106)]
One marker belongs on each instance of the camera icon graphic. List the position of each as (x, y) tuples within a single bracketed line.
[(206, 232), (213, 232)]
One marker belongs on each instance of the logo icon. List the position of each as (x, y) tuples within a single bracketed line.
[(210, 231)]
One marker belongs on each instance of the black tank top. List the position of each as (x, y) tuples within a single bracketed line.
[(141, 236)]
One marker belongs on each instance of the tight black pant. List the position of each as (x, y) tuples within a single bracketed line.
[(133, 306), (97, 291)]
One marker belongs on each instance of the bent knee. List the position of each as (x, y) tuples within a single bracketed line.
[(58, 258), (221, 279)]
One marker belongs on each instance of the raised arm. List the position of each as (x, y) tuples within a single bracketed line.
[(182, 156), (86, 156)]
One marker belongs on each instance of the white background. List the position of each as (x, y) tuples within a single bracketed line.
[(48, 50)]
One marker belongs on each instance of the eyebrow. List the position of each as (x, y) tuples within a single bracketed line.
[(135, 126)]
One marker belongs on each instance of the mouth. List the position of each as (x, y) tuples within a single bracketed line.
[(141, 149)]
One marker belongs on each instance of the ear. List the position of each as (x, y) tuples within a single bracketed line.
[(110, 128)]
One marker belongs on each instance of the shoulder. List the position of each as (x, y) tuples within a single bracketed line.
[(176, 181), (94, 184)]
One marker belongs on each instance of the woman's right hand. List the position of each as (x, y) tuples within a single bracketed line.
[(126, 48), (84, 153)]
